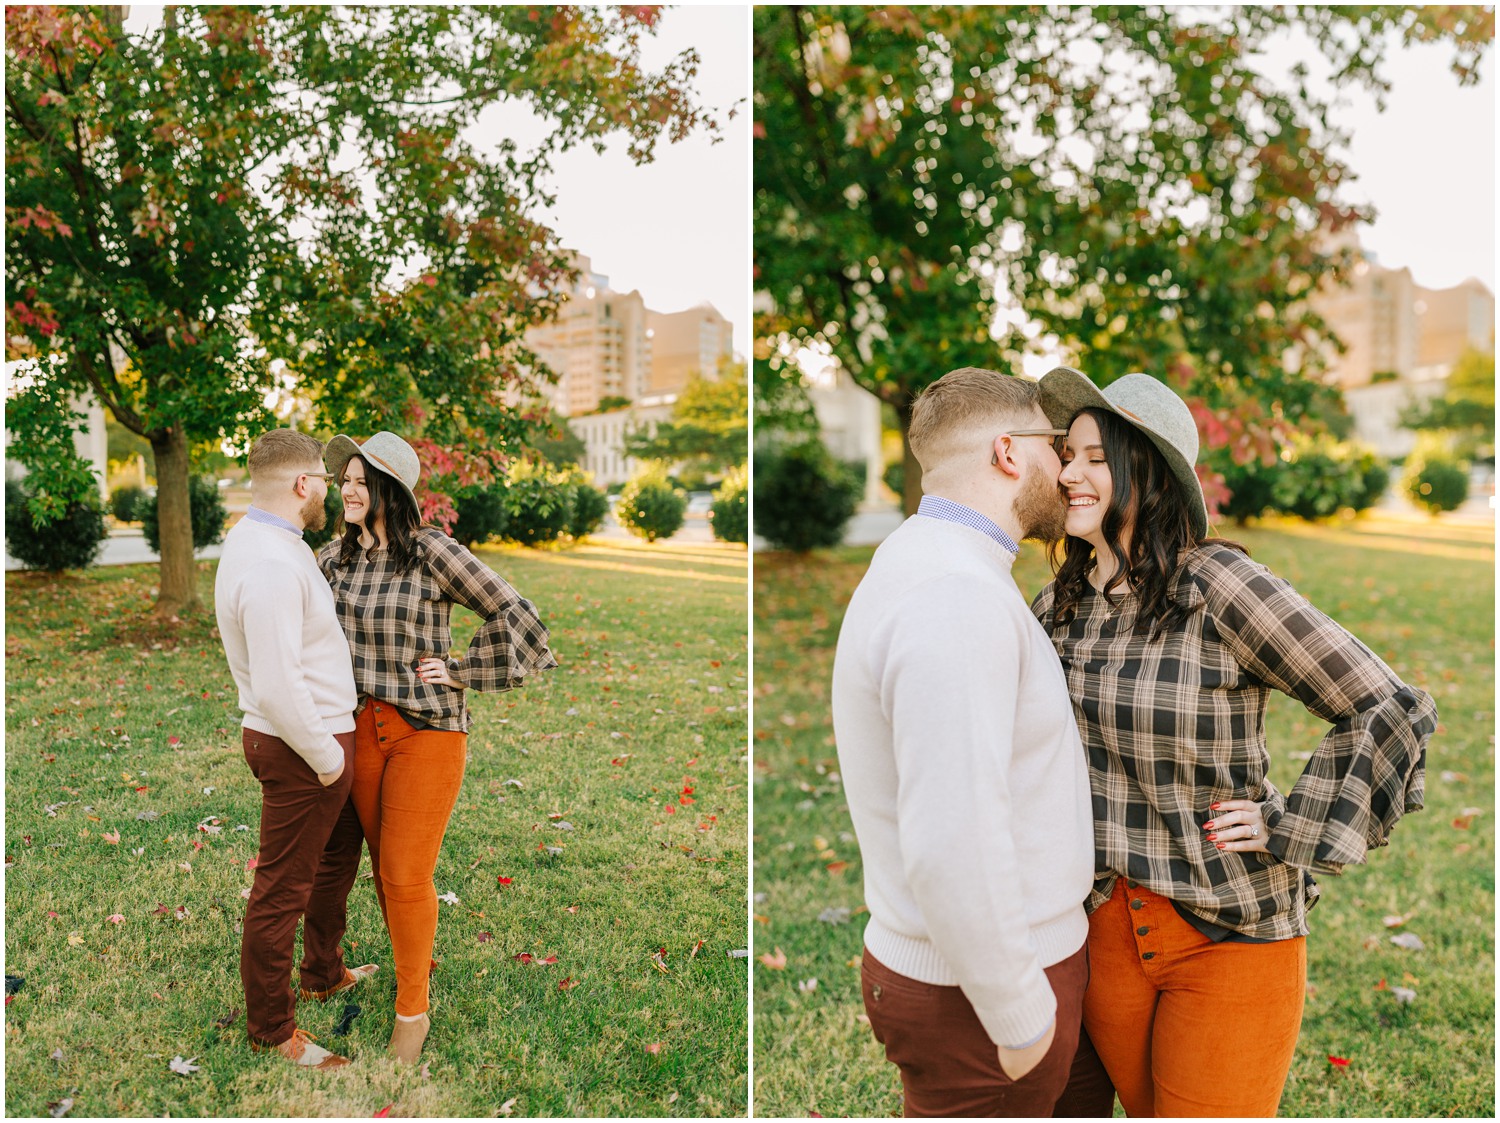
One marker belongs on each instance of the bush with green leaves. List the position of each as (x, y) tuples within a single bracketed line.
[(125, 503), (590, 506), (1312, 485), (730, 515), (1372, 478), (208, 513), (1435, 479), (72, 541), (1250, 489), (1312, 480), (538, 502), (481, 515), (803, 496), (650, 507)]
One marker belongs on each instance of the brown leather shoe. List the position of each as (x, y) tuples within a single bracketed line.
[(300, 1050), (407, 1039), (352, 978)]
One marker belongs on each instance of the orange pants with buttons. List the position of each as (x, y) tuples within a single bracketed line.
[(1186, 1026), (406, 781)]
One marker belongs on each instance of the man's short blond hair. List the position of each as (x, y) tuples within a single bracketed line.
[(947, 413), (282, 451)]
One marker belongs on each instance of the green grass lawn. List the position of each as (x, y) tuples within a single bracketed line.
[(123, 737), (1420, 594)]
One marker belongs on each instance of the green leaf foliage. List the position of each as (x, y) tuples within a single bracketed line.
[(210, 516), (649, 506), (930, 181), (730, 514), (709, 429), (803, 496), (248, 194), (70, 539)]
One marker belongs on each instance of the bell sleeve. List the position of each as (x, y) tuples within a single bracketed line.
[(1369, 768), (511, 643)]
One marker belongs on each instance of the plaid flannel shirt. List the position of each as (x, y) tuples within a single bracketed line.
[(1174, 724), (394, 619)]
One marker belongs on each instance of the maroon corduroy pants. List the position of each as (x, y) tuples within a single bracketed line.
[(309, 854)]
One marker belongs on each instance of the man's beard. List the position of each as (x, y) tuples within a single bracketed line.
[(1042, 509), (314, 516)]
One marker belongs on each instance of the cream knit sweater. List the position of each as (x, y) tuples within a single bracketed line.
[(965, 776), (287, 653)]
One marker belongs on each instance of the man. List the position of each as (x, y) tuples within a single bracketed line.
[(964, 772), (290, 661)]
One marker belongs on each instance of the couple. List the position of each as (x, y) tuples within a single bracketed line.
[(355, 720), (1063, 809)]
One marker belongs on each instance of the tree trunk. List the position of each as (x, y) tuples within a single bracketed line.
[(179, 572), (911, 488)]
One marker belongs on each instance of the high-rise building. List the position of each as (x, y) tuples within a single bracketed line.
[(598, 345), (688, 344)]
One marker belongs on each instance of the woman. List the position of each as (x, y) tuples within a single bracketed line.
[(1171, 643), (394, 583)]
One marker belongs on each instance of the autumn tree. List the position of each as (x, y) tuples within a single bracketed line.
[(243, 196), (952, 186), (709, 428)]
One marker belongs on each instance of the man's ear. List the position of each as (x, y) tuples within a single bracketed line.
[(1003, 456)]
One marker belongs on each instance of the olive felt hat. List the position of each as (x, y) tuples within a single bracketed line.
[(385, 452), (1149, 405)]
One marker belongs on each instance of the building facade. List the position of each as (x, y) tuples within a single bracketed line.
[(599, 345), (685, 345), (603, 436), (1401, 341)]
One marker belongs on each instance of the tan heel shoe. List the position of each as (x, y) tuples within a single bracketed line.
[(407, 1039)]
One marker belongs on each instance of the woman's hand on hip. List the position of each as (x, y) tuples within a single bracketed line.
[(433, 671), (1237, 825)]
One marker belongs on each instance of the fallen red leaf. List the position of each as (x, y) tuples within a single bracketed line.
[(775, 961), (1338, 1062), (567, 984), (505, 880), (549, 961), (654, 1048), (383, 1112), (524, 957), (485, 937), (252, 863), (836, 868), (1380, 985), (670, 810)]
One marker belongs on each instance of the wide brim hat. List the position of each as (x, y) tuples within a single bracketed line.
[(385, 452), (1150, 406)]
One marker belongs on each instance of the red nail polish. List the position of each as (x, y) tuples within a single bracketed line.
[(1219, 845), (1213, 806), (1208, 826), (1213, 838)]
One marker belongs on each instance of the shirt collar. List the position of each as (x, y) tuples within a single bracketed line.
[(936, 507), (256, 515)]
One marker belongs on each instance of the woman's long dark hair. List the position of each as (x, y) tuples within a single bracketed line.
[(388, 501), (1149, 502)]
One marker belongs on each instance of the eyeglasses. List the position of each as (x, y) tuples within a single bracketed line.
[(1057, 436), (326, 477)]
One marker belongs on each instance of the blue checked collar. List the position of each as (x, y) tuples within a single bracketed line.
[(936, 507)]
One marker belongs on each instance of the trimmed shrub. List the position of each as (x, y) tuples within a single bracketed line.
[(72, 541), (538, 503), (803, 496), (208, 513), (590, 506), (1313, 484), (333, 510), (894, 476), (730, 515), (650, 507), (125, 503), (1372, 478), (1250, 490), (481, 515), (1436, 480)]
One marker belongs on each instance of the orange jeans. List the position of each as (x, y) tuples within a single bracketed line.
[(1185, 1026), (406, 782)]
